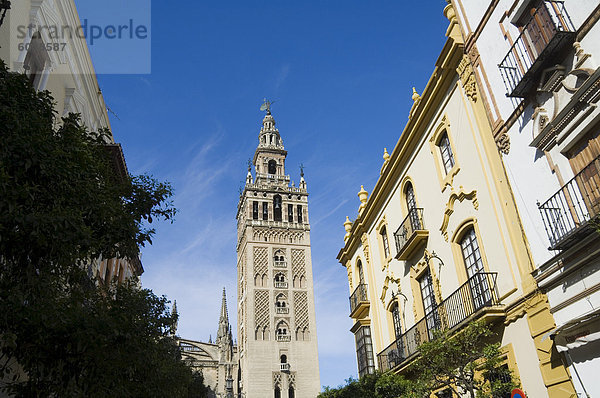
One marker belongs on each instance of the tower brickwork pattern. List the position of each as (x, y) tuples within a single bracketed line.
[(276, 310)]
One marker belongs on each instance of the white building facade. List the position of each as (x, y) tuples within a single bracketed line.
[(537, 62), (61, 63)]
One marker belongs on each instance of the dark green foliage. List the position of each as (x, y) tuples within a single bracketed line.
[(468, 362), (378, 385), (454, 361), (61, 206)]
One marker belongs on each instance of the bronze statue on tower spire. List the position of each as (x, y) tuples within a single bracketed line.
[(266, 106)]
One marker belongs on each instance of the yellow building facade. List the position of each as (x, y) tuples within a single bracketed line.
[(438, 241)]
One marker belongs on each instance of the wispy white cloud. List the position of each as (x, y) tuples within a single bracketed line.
[(284, 71), (329, 213), (145, 81)]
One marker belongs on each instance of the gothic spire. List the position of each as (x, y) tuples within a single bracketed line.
[(224, 308), (223, 332), (175, 314)]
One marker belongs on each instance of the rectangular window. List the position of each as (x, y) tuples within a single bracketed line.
[(255, 210), (364, 351), (265, 211), (384, 240), (291, 213), (300, 213)]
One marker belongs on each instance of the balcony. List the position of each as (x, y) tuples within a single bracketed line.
[(548, 33), (411, 234), (279, 264), (281, 285), (359, 303), (282, 310), (284, 337), (472, 300), (570, 213), (284, 367)]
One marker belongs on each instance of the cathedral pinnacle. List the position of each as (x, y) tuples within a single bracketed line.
[(224, 316)]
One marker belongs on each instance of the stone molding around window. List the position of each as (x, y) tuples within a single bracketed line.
[(445, 179), (385, 260)]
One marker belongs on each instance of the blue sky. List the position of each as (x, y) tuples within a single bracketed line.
[(342, 74)]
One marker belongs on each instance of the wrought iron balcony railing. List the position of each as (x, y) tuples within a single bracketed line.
[(279, 264), (567, 214), (282, 310), (281, 285), (359, 298), (284, 367), (548, 33), (284, 337), (478, 292), (410, 233)]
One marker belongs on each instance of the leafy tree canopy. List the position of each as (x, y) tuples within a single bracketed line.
[(62, 206), (378, 385), (468, 362)]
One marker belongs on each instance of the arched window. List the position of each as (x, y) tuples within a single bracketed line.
[(255, 210), (480, 290), (277, 392), (291, 392), (385, 242), (429, 303), (281, 301), (361, 276), (446, 152), (36, 61), (283, 358), (411, 207), (272, 167), (277, 208), (280, 281), (409, 193), (396, 319), (282, 329), (279, 259)]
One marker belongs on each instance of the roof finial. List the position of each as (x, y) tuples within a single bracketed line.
[(301, 170), (266, 106), (415, 95)]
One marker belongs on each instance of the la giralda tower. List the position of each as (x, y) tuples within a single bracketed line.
[(277, 333)]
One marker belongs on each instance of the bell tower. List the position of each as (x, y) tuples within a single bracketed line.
[(277, 335)]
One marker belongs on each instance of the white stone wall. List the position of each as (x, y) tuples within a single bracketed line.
[(71, 77)]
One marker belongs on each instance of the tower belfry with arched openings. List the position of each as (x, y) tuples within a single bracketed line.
[(277, 335)]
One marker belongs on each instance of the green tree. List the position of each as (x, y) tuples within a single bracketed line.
[(468, 362), (61, 206), (378, 385), (457, 361)]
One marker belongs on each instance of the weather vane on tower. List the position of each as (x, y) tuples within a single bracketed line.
[(266, 106)]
